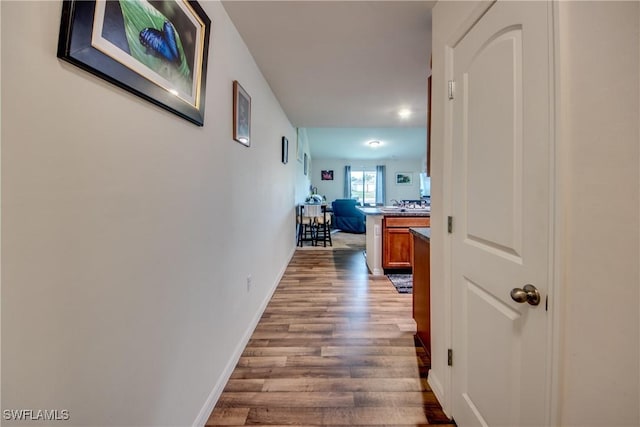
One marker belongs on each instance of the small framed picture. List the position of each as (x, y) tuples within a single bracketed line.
[(404, 178), (327, 175), (285, 150), (298, 146), (241, 115), (306, 164)]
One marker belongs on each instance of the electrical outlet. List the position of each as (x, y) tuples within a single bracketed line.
[(249, 282)]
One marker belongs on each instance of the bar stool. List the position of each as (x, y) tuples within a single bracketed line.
[(323, 228), (306, 224)]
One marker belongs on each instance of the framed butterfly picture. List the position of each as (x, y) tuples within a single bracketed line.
[(156, 49)]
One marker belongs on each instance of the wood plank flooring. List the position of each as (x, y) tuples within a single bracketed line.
[(335, 346)]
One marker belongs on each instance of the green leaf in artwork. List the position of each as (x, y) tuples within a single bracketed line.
[(141, 16)]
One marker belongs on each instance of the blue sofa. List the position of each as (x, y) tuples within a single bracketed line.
[(346, 217)]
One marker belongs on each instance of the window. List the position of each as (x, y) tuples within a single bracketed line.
[(425, 185), (363, 186)]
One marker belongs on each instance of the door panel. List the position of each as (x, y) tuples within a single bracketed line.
[(494, 136), (501, 210), (492, 382)]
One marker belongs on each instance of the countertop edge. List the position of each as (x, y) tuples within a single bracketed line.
[(421, 232)]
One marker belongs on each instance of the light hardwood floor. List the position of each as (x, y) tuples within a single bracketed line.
[(335, 346)]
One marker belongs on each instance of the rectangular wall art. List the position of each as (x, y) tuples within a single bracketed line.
[(241, 115), (404, 178), (156, 50), (285, 150)]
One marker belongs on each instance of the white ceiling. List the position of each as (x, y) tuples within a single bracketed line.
[(351, 143), (342, 64)]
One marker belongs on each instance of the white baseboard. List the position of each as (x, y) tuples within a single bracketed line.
[(438, 390), (210, 403)]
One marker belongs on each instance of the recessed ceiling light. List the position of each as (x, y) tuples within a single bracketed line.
[(374, 143), (404, 113)]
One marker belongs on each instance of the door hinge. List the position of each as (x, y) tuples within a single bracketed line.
[(449, 357), (450, 224), (452, 88)]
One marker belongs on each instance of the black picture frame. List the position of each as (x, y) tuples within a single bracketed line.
[(285, 150), (175, 81), (326, 175), (241, 115)]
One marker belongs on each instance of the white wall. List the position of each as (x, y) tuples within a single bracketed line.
[(128, 232), (598, 228), (601, 234), (335, 189), (303, 182)]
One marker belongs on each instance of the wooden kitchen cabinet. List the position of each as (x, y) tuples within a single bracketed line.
[(422, 286), (397, 251)]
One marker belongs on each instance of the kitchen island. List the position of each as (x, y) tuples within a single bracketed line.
[(389, 244), (422, 285)]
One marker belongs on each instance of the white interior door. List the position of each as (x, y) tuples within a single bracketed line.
[(501, 210)]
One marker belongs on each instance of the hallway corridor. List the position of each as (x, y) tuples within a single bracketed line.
[(335, 346)]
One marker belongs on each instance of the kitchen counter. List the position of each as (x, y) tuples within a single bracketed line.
[(394, 211), (375, 220)]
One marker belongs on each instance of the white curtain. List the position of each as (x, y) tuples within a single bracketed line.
[(380, 185)]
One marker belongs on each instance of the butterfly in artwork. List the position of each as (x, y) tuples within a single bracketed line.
[(163, 44)]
